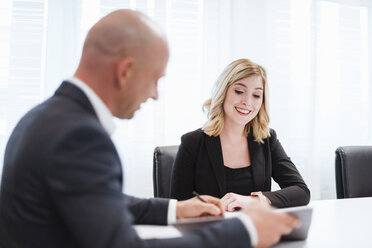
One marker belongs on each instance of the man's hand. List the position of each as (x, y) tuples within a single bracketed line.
[(270, 225), (195, 208)]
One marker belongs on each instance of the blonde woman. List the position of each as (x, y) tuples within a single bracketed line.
[(235, 154)]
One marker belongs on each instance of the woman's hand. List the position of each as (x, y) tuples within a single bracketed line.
[(232, 202), (258, 195)]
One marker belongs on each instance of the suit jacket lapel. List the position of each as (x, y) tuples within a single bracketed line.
[(257, 155), (214, 151)]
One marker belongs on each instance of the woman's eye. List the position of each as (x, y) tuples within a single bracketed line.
[(239, 92), (256, 96)]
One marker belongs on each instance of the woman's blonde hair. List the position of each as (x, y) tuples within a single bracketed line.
[(239, 69)]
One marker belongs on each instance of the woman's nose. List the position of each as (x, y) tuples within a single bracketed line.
[(246, 102)]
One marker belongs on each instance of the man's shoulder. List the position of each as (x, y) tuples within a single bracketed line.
[(60, 111), (55, 118)]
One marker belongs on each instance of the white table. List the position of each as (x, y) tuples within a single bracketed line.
[(338, 223), (335, 223)]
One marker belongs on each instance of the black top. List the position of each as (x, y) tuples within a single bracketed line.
[(239, 180)]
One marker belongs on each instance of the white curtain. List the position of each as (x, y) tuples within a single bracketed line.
[(317, 55)]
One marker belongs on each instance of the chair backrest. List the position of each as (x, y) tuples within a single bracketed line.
[(353, 171), (164, 157)]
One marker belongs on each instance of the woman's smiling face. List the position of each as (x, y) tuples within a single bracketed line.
[(243, 100)]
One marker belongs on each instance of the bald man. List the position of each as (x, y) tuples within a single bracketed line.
[(62, 176)]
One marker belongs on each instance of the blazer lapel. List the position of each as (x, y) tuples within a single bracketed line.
[(257, 155), (214, 151)]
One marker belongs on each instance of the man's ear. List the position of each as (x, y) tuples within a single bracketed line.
[(124, 69)]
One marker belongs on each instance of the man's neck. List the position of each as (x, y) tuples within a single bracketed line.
[(97, 85)]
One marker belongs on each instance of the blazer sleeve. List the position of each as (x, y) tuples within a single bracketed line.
[(182, 179), (84, 182), (149, 211), (294, 191)]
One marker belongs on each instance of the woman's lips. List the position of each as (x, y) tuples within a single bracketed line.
[(243, 111)]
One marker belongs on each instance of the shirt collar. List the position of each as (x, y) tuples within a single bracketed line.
[(104, 114)]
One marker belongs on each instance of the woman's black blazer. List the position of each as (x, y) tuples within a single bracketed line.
[(199, 166)]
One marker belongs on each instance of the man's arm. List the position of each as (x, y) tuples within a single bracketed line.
[(149, 211), (156, 210)]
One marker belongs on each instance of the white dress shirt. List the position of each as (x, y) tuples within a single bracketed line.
[(105, 117)]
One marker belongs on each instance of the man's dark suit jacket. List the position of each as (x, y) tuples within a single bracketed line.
[(199, 166), (62, 186)]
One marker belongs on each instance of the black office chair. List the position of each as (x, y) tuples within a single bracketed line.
[(164, 157), (353, 171)]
